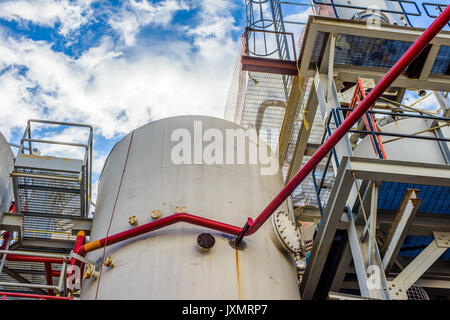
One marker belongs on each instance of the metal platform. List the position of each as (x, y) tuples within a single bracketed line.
[(51, 191)]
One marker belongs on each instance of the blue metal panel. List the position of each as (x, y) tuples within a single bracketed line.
[(442, 62), (368, 52), (417, 241), (436, 200)]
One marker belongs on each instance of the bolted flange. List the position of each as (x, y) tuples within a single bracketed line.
[(89, 272), (156, 214), (109, 262), (180, 209)]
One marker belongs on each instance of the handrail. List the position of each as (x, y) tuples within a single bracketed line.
[(250, 29), (3, 296), (87, 161), (400, 2)]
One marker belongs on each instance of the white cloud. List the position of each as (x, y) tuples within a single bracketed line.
[(115, 92), (70, 14), (69, 134), (134, 15), (105, 86), (429, 103)]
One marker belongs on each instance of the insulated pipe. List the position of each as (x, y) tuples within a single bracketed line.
[(356, 114)]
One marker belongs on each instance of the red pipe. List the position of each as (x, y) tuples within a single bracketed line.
[(48, 277), (355, 115), (16, 257), (29, 295), (81, 236), (6, 235), (56, 273)]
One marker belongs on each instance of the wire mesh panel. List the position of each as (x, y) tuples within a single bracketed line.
[(417, 293), (45, 196), (264, 105), (368, 52)]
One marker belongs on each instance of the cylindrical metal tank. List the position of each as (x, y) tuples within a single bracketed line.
[(406, 149), (6, 165), (168, 263), (382, 11)]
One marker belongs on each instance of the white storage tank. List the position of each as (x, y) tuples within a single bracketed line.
[(6, 165), (406, 149), (168, 263)]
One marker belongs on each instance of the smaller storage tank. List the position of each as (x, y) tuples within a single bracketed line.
[(6, 165), (168, 263)]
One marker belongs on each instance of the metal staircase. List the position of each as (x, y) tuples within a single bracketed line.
[(51, 192)]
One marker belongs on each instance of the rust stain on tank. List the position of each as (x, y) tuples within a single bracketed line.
[(238, 275)]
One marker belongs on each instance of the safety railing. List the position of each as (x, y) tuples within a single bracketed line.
[(437, 7), (30, 296), (398, 116), (266, 52), (37, 257), (339, 113), (401, 4), (369, 122), (318, 187), (83, 178)]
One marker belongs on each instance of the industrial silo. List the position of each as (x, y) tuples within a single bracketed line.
[(168, 263)]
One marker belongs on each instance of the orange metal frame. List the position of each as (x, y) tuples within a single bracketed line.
[(358, 96)]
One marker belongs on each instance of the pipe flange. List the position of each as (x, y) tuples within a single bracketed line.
[(109, 262), (90, 272), (242, 245), (286, 232)]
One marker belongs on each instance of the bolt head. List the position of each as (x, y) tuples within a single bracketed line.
[(156, 214), (132, 220)]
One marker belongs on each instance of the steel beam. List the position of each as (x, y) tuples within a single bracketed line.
[(332, 25), (429, 62), (350, 73), (11, 221), (422, 224), (327, 230), (289, 117), (400, 227), (400, 171), (266, 65), (419, 265)]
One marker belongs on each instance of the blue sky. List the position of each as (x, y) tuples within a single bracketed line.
[(118, 64), (113, 64)]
